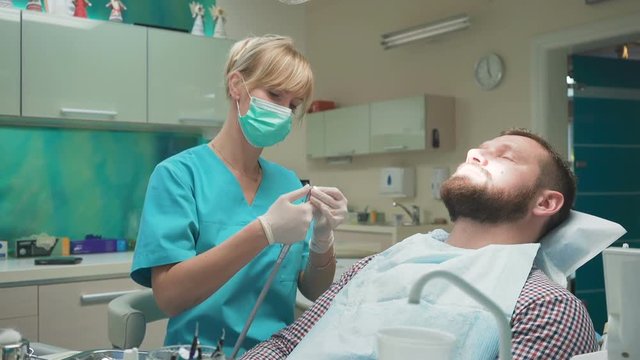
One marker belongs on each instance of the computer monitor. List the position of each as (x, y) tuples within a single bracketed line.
[(621, 271)]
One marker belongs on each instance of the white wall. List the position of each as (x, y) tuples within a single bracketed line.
[(259, 17), (342, 42)]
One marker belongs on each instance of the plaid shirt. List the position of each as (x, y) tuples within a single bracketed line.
[(548, 322)]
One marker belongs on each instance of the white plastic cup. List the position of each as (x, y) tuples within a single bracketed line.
[(412, 342)]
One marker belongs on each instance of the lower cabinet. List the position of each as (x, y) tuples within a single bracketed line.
[(69, 315), (19, 310)]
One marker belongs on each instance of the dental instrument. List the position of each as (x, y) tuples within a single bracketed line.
[(195, 344), (263, 293), (503, 324)]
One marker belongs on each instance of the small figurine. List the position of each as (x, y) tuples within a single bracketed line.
[(59, 7), (81, 8), (217, 13), (197, 12), (117, 7), (218, 354), (34, 5), (6, 3)]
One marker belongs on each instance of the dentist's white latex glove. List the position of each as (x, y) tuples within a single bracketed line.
[(329, 211), (287, 223)]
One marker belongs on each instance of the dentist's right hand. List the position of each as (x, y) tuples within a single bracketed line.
[(285, 222)]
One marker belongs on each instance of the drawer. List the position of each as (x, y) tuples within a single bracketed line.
[(360, 244), (27, 326), (18, 301), (68, 321)]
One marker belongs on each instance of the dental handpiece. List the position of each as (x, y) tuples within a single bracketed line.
[(263, 294)]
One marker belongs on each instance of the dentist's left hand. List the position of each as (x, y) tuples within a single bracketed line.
[(329, 211)]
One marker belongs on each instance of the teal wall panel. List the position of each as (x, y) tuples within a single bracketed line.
[(165, 13), (596, 302), (617, 121), (606, 72), (607, 173), (607, 169), (75, 182)]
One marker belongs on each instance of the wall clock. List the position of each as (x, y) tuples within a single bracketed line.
[(489, 71)]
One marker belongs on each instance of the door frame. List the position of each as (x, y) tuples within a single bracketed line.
[(548, 71)]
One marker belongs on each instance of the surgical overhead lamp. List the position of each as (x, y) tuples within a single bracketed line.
[(426, 31)]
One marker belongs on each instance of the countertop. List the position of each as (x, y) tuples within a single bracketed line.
[(22, 271)]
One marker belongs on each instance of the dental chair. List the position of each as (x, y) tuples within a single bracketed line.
[(128, 316)]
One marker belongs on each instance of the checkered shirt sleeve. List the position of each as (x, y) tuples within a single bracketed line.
[(280, 345), (549, 322)]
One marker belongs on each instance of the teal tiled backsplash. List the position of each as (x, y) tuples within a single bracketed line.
[(72, 182)]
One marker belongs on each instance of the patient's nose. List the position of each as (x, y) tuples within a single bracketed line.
[(475, 156)]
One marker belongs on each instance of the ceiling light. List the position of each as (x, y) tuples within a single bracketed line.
[(293, 2), (426, 31)]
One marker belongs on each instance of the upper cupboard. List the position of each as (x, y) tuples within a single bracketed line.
[(10, 62), (81, 69), (424, 122)]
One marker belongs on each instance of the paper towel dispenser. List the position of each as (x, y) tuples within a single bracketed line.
[(397, 182)]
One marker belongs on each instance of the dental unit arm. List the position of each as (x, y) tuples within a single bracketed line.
[(503, 324)]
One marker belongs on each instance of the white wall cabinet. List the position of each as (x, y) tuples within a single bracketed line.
[(186, 78), (9, 62), (315, 134), (74, 315), (415, 123), (83, 69), (346, 131), (425, 122), (57, 315)]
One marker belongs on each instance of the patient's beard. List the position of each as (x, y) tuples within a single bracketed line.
[(465, 199)]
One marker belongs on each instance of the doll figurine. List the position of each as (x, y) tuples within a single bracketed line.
[(81, 8), (34, 5), (197, 12), (117, 7), (218, 15)]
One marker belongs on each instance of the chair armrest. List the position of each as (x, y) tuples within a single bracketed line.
[(128, 316)]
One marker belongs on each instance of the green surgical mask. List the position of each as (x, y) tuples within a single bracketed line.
[(265, 123)]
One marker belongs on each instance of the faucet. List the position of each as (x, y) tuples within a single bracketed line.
[(413, 215)]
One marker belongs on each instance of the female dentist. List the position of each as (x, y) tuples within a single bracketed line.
[(216, 216)]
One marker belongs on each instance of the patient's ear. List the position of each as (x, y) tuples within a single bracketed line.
[(548, 203)]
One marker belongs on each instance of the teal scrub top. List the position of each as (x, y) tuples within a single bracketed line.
[(194, 203)]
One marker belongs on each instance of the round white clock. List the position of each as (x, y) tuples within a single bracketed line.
[(489, 71)]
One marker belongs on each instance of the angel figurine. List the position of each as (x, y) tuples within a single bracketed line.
[(197, 12), (117, 7), (81, 8), (218, 15), (6, 3), (34, 5)]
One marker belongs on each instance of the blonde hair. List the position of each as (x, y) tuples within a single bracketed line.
[(273, 62)]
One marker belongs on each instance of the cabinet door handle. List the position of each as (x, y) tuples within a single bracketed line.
[(395, 147), (101, 298), (201, 122), (105, 113)]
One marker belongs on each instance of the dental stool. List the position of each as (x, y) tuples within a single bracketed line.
[(128, 316)]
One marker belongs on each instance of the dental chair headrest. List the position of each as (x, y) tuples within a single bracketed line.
[(574, 242)]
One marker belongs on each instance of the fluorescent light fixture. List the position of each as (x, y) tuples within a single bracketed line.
[(426, 31)]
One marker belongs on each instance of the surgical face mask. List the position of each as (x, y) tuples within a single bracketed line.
[(265, 123)]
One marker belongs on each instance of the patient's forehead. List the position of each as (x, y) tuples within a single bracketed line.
[(523, 146)]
